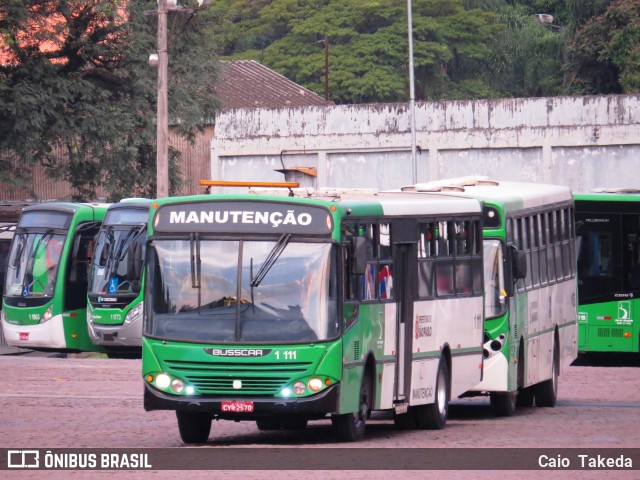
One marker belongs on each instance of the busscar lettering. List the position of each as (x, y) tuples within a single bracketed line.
[(237, 352)]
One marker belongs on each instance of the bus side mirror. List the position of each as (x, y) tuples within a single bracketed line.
[(518, 263), (135, 260), (362, 251)]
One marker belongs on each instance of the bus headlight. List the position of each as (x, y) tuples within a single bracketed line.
[(168, 383), (315, 384), (134, 314), (46, 316), (89, 315), (163, 381), (299, 388), (177, 385)]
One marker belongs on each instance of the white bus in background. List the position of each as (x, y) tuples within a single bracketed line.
[(531, 324)]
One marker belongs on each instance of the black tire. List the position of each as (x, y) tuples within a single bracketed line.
[(525, 397), (349, 427), (547, 392), (194, 426), (405, 421), (503, 404), (268, 424), (433, 416)]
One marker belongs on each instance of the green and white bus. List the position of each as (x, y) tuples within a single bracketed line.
[(116, 280), (530, 288), (45, 289), (283, 309), (608, 230)]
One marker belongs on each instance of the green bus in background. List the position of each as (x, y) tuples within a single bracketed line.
[(116, 280), (45, 288), (282, 309), (530, 288), (608, 229)]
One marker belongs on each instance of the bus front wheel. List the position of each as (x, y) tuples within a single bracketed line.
[(194, 426), (349, 427)]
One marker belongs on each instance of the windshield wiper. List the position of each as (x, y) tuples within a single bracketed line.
[(128, 239), (273, 256)]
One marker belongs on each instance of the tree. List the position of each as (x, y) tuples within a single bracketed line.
[(368, 45), (76, 79), (526, 58), (604, 53)]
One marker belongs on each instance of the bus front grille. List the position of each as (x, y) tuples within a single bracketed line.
[(226, 367), (236, 378), (237, 385)]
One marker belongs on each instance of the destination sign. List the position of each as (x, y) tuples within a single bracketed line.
[(243, 217)]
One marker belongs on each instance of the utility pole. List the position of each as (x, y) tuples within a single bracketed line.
[(161, 60), (162, 159), (412, 95), (326, 68)]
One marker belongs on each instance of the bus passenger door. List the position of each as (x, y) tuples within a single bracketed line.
[(404, 255)]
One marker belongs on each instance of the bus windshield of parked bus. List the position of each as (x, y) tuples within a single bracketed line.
[(117, 263), (210, 291), (33, 262)]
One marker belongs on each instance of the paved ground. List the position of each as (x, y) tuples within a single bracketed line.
[(86, 402)]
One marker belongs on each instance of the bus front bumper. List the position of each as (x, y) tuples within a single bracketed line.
[(42, 335), (316, 406), (116, 335)]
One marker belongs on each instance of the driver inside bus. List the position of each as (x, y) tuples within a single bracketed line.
[(215, 291)]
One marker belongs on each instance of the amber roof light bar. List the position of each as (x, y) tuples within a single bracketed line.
[(225, 183)]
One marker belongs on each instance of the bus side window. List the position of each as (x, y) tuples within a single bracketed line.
[(425, 279), (385, 282), (444, 278)]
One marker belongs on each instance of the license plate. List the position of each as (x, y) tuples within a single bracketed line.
[(238, 407), (23, 336)]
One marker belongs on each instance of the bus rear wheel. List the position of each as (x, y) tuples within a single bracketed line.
[(433, 416), (547, 392), (525, 397), (349, 427), (194, 426), (503, 404)]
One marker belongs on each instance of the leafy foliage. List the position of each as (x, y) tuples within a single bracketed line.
[(605, 52), (367, 45), (78, 79), (74, 76)]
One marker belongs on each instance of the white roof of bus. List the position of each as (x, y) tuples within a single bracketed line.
[(417, 204), (393, 203), (521, 194)]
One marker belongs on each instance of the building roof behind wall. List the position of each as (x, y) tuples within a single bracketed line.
[(249, 84)]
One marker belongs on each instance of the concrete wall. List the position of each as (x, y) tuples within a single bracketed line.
[(582, 142)]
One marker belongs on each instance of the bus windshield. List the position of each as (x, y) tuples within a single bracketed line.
[(213, 291), (494, 294), (116, 265), (33, 262)]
